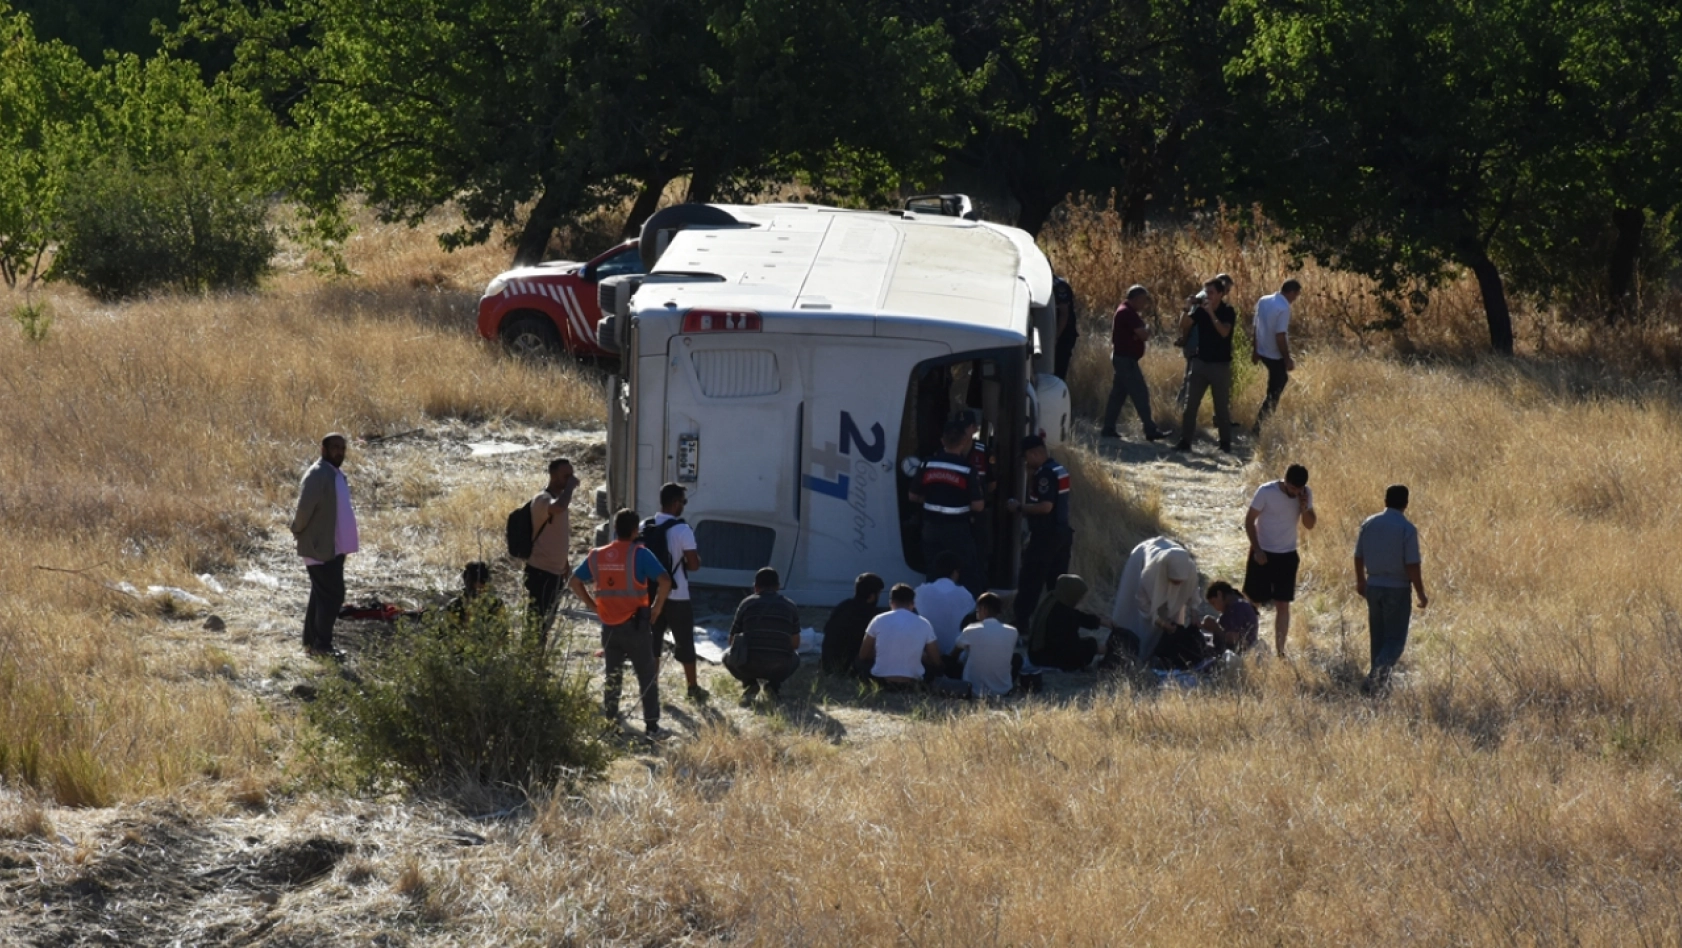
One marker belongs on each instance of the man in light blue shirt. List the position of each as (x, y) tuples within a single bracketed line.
[(1386, 564)]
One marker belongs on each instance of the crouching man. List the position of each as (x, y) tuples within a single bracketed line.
[(764, 639)]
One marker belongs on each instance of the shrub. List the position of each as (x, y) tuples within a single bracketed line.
[(128, 230), (443, 700), (34, 318)]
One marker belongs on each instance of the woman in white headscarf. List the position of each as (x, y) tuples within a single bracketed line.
[(1157, 591)]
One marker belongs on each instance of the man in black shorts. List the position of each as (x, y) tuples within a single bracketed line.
[(1270, 571)]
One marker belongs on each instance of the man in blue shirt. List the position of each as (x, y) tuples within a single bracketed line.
[(1386, 564), (1050, 537), (622, 572)]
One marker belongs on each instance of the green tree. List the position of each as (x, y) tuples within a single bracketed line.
[(1399, 137), (45, 91), (1069, 94), (551, 109), (93, 26), (170, 184)]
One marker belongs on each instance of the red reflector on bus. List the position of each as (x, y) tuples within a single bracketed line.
[(715, 320)]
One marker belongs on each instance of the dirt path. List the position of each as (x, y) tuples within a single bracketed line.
[(259, 870)]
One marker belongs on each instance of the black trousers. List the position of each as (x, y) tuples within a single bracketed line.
[(1045, 559), (770, 668), (953, 533), (1277, 379), (543, 588), (632, 642), (327, 597)]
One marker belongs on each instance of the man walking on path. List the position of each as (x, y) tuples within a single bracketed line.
[(550, 560), (1211, 369), (1271, 331), (668, 530), (1050, 537), (325, 528), (621, 572), (1127, 347), (1386, 564), (1270, 572)]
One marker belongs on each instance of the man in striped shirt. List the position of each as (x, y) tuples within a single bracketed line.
[(1050, 538)]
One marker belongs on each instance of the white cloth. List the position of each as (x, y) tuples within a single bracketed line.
[(900, 635), (1276, 528), (945, 603), (346, 540), (1159, 581), (991, 643), (679, 539), (1273, 316)]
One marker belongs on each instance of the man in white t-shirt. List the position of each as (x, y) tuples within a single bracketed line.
[(1270, 571), (989, 648), (946, 604), (899, 645), (679, 615), (1273, 344)]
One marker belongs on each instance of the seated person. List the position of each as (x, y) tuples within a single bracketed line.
[(843, 634), (1054, 639), (945, 604), (899, 645), (764, 638), (1235, 630), (1155, 594), (988, 649), (478, 605)]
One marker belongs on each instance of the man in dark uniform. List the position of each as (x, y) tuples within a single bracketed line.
[(1050, 538), (1068, 325), (950, 493)]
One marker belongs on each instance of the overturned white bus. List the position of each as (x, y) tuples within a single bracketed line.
[(789, 364)]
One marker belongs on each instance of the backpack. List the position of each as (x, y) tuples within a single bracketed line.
[(654, 537), (520, 538)]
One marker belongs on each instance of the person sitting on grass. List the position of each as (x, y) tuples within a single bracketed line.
[(1235, 629), (1054, 639), (764, 639), (946, 604), (843, 634), (988, 649), (899, 647), (478, 605)]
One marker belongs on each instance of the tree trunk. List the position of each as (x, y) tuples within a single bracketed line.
[(648, 201), (1495, 310), (534, 237), (702, 183), (1626, 254)]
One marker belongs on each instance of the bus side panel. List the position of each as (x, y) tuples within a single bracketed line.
[(850, 509)]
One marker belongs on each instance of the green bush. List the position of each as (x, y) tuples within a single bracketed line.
[(442, 700), (129, 230)]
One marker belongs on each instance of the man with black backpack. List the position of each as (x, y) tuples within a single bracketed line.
[(673, 543), (548, 553)]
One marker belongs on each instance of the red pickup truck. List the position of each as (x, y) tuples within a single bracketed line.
[(551, 307)]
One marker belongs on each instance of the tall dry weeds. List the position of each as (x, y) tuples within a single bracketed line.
[(150, 441)]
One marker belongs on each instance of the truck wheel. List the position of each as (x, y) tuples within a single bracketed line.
[(531, 337)]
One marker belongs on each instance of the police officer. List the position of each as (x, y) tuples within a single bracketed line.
[(950, 493), (1050, 538)]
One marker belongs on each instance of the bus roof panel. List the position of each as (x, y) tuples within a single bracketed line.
[(801, 258)]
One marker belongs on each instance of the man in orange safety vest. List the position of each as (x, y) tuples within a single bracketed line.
[(622, 572)]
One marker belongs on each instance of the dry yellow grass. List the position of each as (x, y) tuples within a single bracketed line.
[(148, 442), (1519, 786)]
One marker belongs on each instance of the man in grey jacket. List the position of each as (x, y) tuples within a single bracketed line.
[(325, 528)]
